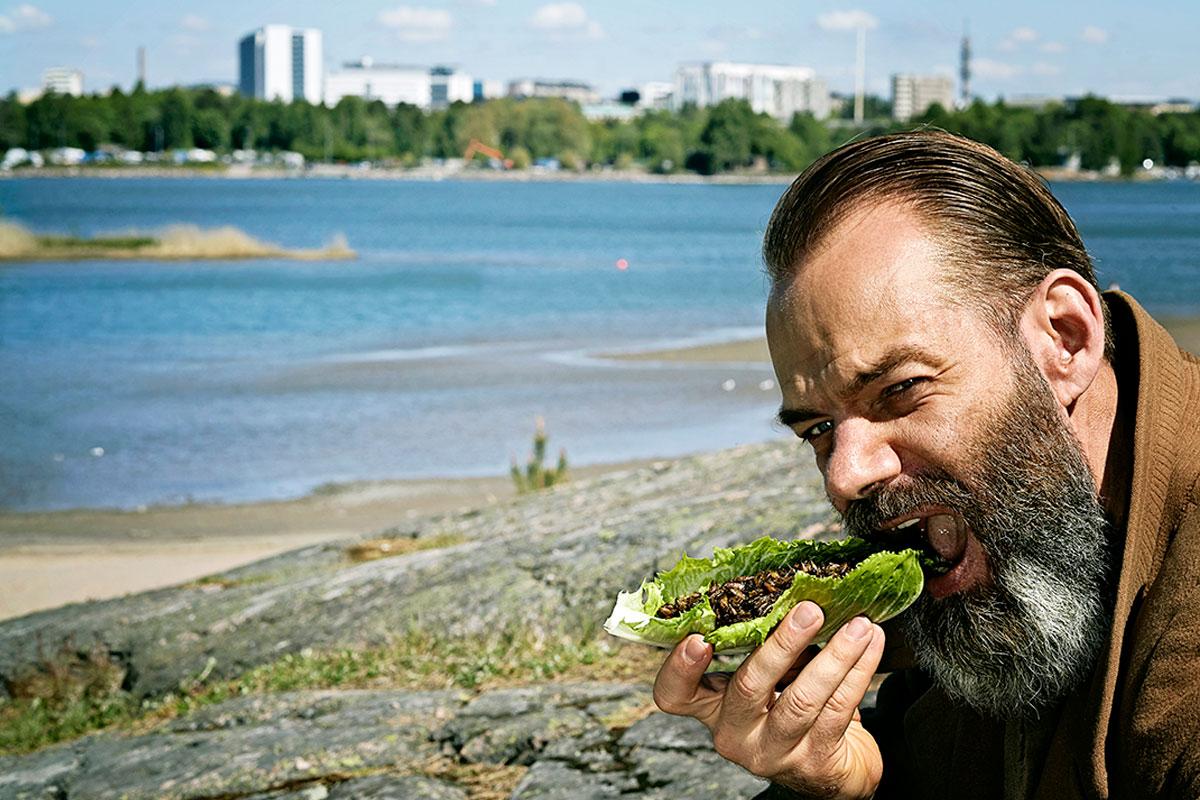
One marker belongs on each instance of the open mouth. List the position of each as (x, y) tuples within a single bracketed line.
[(939, 534)]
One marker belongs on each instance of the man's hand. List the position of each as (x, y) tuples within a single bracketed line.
[(805, 734)]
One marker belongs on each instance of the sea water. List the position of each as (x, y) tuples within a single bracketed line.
[(473, 308)]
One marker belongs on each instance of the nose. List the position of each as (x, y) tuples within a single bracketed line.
[(860, 461)]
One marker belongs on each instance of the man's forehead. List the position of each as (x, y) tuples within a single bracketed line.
[(873, 284)]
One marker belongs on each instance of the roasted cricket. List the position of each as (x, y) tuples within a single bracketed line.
[(737, 597)]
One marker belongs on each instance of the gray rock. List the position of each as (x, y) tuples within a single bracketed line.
[(554, 559), (309, 746), (702, 773), (514, 726), (376, 787), (666, 732), (267, 742), (552, 780)]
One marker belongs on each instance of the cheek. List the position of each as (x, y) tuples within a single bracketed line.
[(945, 439)]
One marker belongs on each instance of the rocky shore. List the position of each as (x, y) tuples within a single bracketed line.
[(550, 562)]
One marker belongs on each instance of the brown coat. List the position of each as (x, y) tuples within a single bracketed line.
[(1134, 730)]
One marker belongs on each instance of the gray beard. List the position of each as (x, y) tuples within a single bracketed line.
[(1020, 644)]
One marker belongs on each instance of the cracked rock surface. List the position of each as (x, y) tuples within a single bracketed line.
[(386, 744), (554, 560)]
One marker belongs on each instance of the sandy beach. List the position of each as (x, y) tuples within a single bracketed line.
[(51, 558)]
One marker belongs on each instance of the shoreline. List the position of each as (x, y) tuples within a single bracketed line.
[(479, 175), (50, 558)]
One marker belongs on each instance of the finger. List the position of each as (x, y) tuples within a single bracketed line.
[(797, 666), (842, 707), (716, 681), (752, 689), (799, 705), (680, 687)]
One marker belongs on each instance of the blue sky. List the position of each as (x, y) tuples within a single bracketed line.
[(1021, 46)]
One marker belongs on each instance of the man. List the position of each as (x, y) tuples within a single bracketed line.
[(941, 343)]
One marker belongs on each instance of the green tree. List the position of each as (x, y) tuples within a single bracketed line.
[(210, 129), (813, 136), (725, 141), (13, 130), (410, 131), (661, 144), (176, 119), (1180, 136)]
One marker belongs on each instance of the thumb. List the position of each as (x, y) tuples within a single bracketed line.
[(680, 688)]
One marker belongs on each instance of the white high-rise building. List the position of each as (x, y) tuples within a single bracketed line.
[(780, 91), (63, 80), (655, 94), (391, 83), (448, 85), (279, 62), (575, 91), (912, 95)]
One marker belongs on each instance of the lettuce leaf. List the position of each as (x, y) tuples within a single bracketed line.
[(881, 585)]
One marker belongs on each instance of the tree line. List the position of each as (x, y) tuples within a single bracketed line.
[(728, 136)]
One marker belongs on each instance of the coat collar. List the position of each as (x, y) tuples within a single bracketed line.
[(1151, 375)]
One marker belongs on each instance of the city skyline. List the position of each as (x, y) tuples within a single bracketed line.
[(1066, 49)]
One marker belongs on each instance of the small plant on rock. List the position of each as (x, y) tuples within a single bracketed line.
[(535, 475)]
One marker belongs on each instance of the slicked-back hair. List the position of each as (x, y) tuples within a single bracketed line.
[(1000, 229)]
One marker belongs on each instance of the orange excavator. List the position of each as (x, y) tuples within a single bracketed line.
[(477, 146)]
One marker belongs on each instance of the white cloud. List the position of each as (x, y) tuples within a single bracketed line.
[(1053, 47), (24, 17), (1094, 35), (847, 20), (1017, 38), (996, 70), (194, 22), (566, 18), (1046, 69), (418, 24)]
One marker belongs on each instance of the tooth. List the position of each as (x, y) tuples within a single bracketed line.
[(908, 524)]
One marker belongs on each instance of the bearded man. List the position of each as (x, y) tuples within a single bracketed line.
[(941, 343)]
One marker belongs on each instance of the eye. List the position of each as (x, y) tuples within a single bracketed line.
[(902, 387), (814, 431)]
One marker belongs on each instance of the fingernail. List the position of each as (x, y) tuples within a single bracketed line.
[(858, 627), (695, 649), (805, 615)]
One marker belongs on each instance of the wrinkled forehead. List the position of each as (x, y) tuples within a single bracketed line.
[(875, 282)]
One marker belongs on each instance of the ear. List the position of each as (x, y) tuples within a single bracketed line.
[(1063, 324)]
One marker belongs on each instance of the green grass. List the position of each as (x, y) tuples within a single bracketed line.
[(99, 242), (391, 546), (47, 711)]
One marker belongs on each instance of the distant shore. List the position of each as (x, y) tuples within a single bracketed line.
[(449, 173)]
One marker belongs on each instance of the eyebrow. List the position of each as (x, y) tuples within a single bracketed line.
[(891, 360)]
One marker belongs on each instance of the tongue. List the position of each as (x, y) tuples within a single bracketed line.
[(946, 536)]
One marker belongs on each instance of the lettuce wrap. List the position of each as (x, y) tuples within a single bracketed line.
[(846, 578)]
